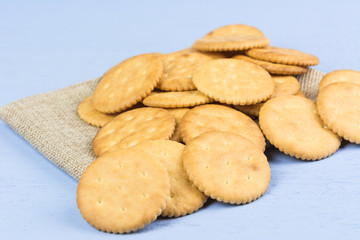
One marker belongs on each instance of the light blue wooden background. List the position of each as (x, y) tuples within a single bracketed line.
[(46, 45)]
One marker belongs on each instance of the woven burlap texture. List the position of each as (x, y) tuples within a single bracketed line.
[(50, 123)]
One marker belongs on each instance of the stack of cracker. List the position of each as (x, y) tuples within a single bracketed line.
[(176, 128)]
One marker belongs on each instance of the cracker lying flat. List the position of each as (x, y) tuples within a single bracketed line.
[(339, 108), (284, 85), (178, 69), (122, 191), (91, 116), (232, 38), (176, 99), (127, 83), (227, 167), (340, 76), (274, 68), (233, 81), (178, 113), (132, 127), (212, 117), (184, 197), (292, 125), (283, 56)]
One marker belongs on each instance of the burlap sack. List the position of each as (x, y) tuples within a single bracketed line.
[(49, 122)]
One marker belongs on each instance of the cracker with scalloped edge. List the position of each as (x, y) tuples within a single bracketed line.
[(232, 38), (274, 68), (132, 127), (184, 197), (339, 107), (227, 167), (283, 56), (344, 75), (284, 85), (176, 99), (127, 83), (90, 115), (293, 125), (233, 81), (178, 70), (114, 194), (213, 117)]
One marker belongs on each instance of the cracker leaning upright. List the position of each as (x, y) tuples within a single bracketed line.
[(292, 124), (133, 127), (122, 191), (339, 108), (127, 83)]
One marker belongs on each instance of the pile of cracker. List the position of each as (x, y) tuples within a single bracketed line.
[(179, 128)]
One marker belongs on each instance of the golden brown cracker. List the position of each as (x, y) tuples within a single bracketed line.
[(90, 115), (178, 70), (227, 167), (176, 99), (274, 68), (292, 124), (232, 38), (132, 127), (213, 117), (127, 83), (283, 56), (233, 81), (114, 194), (340, 76), (339, 108), (184, 197)]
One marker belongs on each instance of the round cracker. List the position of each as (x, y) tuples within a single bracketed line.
[(127, 83), (132, 127), (340, 76), (176, 99), (184, 197), (178, 70), (90, 115), (339, 108), (178, 113), (274, 68), (283, 56), (122, 191), (232, 38), (284, 85), (227, 167), (252, 110), (212, 117), (233, 81), (292, 124)]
